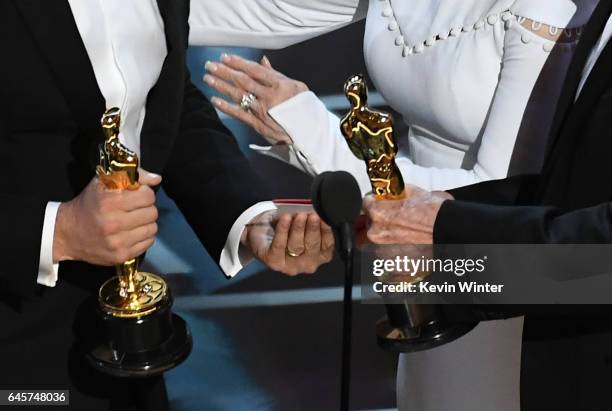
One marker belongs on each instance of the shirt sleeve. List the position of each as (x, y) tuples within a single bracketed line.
[(268, 24), (47, 269), (233, 257), (318, 144)]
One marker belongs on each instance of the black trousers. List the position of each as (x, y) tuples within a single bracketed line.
[(566, 371), (39, 350)]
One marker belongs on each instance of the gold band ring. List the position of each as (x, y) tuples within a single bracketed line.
[(292, 253)]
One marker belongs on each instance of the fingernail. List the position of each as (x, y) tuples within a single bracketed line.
[(265, 59), (210, 66), (225, 57), (216, 101), (153, 175), (209, 79)]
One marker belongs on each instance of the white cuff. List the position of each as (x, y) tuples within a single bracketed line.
[(317, 138), (47, 269), (288, 154), (310, 126), (233, 257)]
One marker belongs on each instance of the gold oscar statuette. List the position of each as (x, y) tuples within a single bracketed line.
[(408, 327), (131, 293), (369, 134), (136, 334)]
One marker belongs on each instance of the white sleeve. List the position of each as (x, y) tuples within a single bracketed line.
[(521, 67), (47, 269), (269, 24), (318, 144), (233, 257)]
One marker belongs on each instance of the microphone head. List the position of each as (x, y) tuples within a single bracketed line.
[(336, 197)]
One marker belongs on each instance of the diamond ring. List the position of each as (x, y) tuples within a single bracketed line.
[(247, 101)]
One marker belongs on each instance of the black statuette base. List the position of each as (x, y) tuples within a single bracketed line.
[(411, 328), (140, 347)]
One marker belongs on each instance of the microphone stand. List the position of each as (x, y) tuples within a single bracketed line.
[(346, 252), (337, 199)]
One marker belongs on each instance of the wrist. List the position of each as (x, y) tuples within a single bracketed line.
[(244, 236), (61, 238)]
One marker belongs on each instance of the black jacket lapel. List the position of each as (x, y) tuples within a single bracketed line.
[(570, 116), (597, 83), (165, 100), (53, 27), (589, 37)]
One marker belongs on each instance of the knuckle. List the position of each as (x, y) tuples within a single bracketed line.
[(291, 271), (310, 268), (313, 229), (110, 227), (106, 204), (240, 77), (275, 266), (155, 213), (122, 256), (114, 244), (311, 244), (278, 247), (147, 195), (150, 195)]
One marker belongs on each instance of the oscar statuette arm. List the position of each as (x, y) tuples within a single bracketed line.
[(207, 174)]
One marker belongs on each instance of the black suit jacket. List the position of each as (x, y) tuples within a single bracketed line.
[(570, 201), (50, 110)]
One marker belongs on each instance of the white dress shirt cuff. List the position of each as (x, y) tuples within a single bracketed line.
[(47, 269), (233, 255)]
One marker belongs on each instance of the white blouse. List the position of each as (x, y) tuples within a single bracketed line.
[(468, 78)]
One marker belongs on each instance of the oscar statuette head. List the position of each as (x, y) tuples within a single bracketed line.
[(356, 90)]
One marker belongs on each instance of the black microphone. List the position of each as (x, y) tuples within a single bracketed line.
[(336, 197)]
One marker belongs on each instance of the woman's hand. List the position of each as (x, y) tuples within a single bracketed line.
[(235, 77)]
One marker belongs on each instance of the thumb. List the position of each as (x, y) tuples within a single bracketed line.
[(147, 178)]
